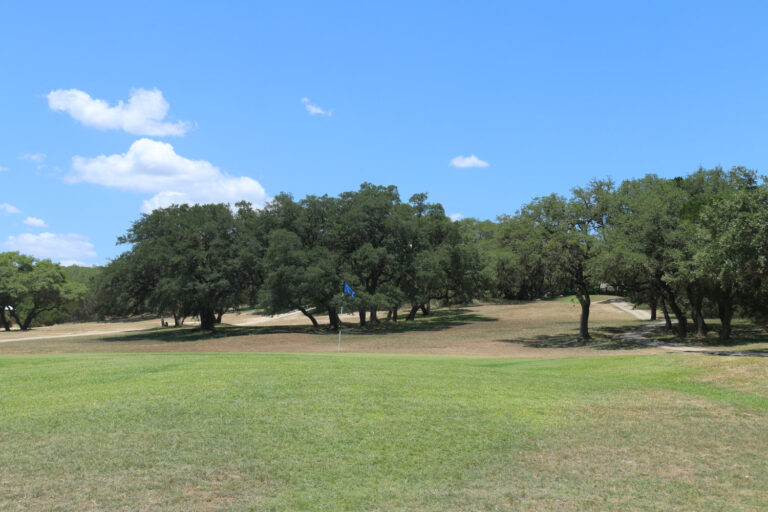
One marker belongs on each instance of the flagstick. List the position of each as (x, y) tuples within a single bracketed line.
[(338, 349)]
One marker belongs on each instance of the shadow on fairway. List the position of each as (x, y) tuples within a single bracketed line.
[(603, 338), (741, 334), (436, 321)]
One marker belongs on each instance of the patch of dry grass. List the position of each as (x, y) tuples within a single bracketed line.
[(748, 374), (531, 329)]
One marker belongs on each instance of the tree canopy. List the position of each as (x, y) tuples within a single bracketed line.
[(30, 288), (693, 246)]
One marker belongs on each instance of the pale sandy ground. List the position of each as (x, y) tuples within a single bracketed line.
[(100, 328), (533, 329)]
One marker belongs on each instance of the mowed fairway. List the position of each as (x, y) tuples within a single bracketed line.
[(202, 422), (382, 432)]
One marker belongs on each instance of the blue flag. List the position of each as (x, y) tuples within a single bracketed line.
[(348, 290)]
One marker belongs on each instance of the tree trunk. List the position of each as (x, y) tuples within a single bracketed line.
[(653, 305), (361, 314), (585, 302), (178, 320), (701, 325), (15, 316), (412, 313), (207, 320), (394, 315), (27, 322), (219, 315), (310, 316), (426, 308), (667, 320), (374, 316), (725, 312), (697, 304), (6, 323), (333, 318), (682, 321), (389, 315)]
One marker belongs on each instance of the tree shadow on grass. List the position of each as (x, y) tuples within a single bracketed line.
[(130, 319), (741, 334), (603, 338), (747, 349), (436, 321), (186, 334)]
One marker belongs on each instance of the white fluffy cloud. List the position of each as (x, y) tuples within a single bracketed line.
[(468, 161), (314, 109), (65, 248), (8, 208), (142, 115), (154, 167), (35, 222), (456, 216)]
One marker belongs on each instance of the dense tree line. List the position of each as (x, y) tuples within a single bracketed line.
[(692, 247), (294, 255)]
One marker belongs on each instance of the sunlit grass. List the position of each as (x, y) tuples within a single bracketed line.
[(381, 432)]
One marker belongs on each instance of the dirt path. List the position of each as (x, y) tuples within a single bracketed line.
[(71, 335), (80, 330), (629, 308), (267, 319)]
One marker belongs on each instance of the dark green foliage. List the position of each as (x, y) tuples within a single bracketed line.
[(85, 307), (31, 288), (294, 255), (692, 246), (183, 261)]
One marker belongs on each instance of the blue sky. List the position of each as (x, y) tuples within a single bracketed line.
[(547, 94)]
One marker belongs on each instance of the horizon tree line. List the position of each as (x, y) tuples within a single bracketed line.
[(692, 247)]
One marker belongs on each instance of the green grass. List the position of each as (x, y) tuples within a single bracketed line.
[(380, 432)]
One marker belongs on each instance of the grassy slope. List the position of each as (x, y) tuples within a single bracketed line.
[(381, 432)]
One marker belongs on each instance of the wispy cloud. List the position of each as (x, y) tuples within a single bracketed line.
[(142, 115), (314, 110), (8, 208), (468, 161), (154, 167), (35, 222), (65, 248), (37, 158), (4, 168)]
